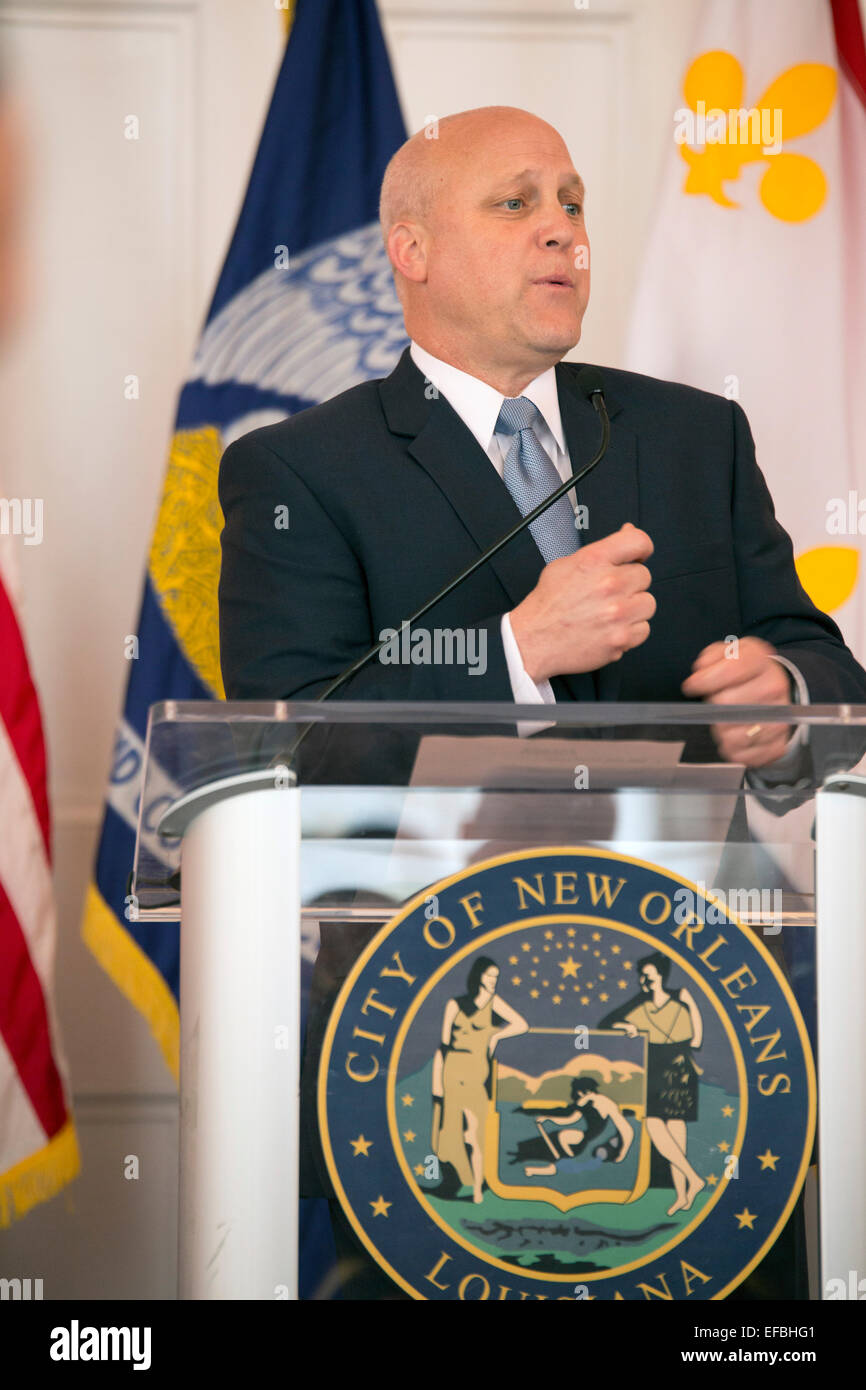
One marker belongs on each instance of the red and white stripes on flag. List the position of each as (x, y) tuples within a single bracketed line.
[(38, 1146)]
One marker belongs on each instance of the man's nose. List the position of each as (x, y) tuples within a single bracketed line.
[(556, 227)]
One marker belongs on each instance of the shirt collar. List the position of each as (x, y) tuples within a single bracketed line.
[(478, 404)]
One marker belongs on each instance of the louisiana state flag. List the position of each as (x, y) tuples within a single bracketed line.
[(304, 308)]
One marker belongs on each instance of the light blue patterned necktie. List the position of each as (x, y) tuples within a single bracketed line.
[(531, 475)]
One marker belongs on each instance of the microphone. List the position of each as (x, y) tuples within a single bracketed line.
[(589, 382)]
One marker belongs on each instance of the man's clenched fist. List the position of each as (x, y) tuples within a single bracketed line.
[(588, 608), (748, 675)]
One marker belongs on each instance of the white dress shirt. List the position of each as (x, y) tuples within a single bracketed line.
[(478, 404)]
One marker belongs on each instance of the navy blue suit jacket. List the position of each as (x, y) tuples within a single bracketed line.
[(389, 495)]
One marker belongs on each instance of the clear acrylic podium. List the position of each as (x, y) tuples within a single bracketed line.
[(275, 830)]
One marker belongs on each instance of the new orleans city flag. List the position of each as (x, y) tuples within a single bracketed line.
[(304, 308), (754, 281)]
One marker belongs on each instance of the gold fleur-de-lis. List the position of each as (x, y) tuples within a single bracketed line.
[(794, 186)]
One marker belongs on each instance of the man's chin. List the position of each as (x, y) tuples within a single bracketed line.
[(554, 349), (556, 342)]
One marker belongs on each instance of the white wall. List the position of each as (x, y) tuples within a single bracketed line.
[(125, 241)]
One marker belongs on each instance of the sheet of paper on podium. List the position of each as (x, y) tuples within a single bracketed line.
[(635, 793), (547, 764)]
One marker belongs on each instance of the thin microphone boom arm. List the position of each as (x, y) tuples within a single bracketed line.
[(590, 381)]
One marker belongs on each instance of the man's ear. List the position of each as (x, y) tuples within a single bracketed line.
[(407, 251)]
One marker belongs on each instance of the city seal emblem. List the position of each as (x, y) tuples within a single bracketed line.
[(566, 1074)]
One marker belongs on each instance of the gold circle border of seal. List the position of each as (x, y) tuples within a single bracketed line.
[(418, 901)]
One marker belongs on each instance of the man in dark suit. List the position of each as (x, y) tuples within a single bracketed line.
[(627, 591), (666, 576)]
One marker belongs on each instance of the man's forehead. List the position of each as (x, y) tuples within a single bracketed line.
[(565, 175), (489, 169)]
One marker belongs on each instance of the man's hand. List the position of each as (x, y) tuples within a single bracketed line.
[(751, 677), (588, 608)]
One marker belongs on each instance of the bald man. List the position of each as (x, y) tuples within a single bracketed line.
[(628, 590), (397, 485)]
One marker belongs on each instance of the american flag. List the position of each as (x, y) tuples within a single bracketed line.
[(38, 1145)]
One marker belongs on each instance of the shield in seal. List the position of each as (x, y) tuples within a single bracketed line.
[(566, 1119)]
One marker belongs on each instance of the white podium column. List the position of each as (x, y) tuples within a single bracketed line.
[(239, 1039), (841, 968)]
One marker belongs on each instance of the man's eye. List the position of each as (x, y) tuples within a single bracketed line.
[(518, 201), (576, 206)]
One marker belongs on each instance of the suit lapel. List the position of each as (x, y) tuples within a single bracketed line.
[(448, 451), (609, 492)]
